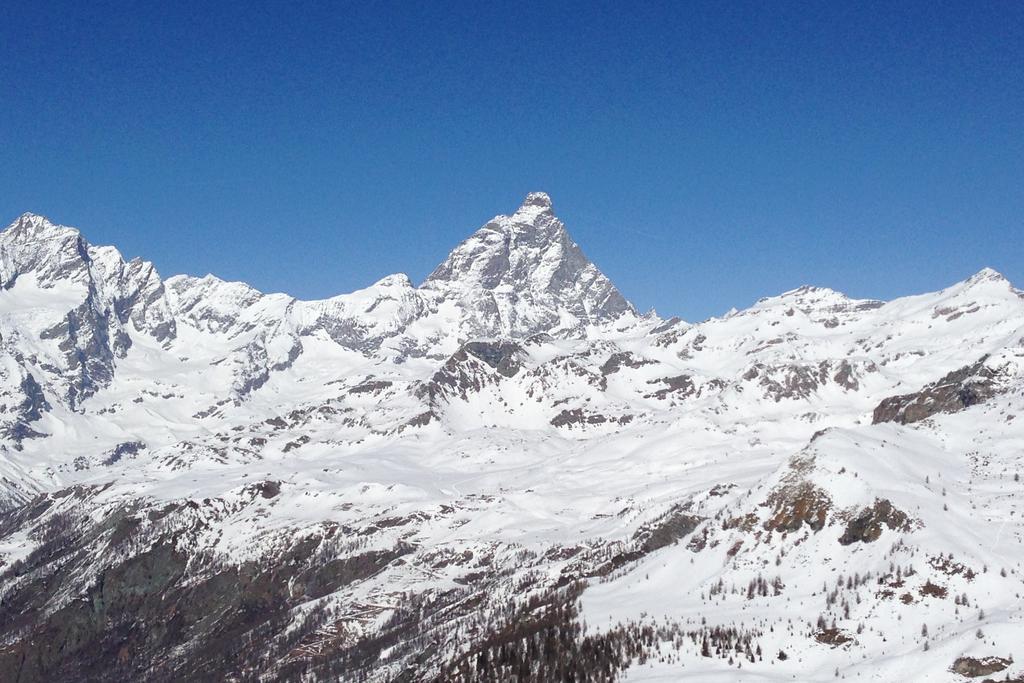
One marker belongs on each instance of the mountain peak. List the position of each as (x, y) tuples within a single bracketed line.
[(522, 273), (32, 226), (33, 243), (29, 217), (399, 280), (987, 274), (536, 200), (985, 280)]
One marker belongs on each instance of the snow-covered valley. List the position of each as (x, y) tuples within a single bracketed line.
[(504, 473)]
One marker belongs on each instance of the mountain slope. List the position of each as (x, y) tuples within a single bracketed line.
[(502, 473)]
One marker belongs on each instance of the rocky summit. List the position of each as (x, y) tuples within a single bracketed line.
[(503, 474)]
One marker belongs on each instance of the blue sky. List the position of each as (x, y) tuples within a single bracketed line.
[(703, 155)]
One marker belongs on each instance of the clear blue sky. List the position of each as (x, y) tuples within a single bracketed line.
[(703, 155)]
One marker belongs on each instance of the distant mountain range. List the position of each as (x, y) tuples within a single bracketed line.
[(505, 473)]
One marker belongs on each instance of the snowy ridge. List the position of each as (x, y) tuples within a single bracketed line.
[(446, 482)]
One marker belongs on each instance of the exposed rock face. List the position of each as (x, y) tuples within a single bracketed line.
[(867, 525), (681, 386), (956, 391), (254, 363), (833, 637), (578, 416), (675, 526), (523, 274), (124, 291), (463, 372), (505, 357), (622, 359), (971, 667), (846, 377), (105, 297), (801, 380), (31, 408), (793, 506), (90, 349), (53, 253)]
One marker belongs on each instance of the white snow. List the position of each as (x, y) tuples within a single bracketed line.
[(334, 416)]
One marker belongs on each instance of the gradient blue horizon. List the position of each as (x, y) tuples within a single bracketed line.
[(703, 155)]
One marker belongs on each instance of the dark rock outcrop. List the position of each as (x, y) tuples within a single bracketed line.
[(867, 525), (796, 505), (802, 380), (578, 416), (31, 408), (959, 390), (681, 386), (622, 359), (505, 357), (833, 637), (461, 374), (971, 667), (676, 525)]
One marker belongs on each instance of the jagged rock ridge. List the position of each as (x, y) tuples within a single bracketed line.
[(447, 482)]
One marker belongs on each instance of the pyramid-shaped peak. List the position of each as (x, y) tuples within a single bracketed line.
[(29, 218), (536, 200), (524, 273), (33, 243), (986, 281), (987, 275), (35, 226)]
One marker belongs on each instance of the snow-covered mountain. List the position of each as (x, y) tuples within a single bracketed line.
[(522, 274), (505, 473)]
